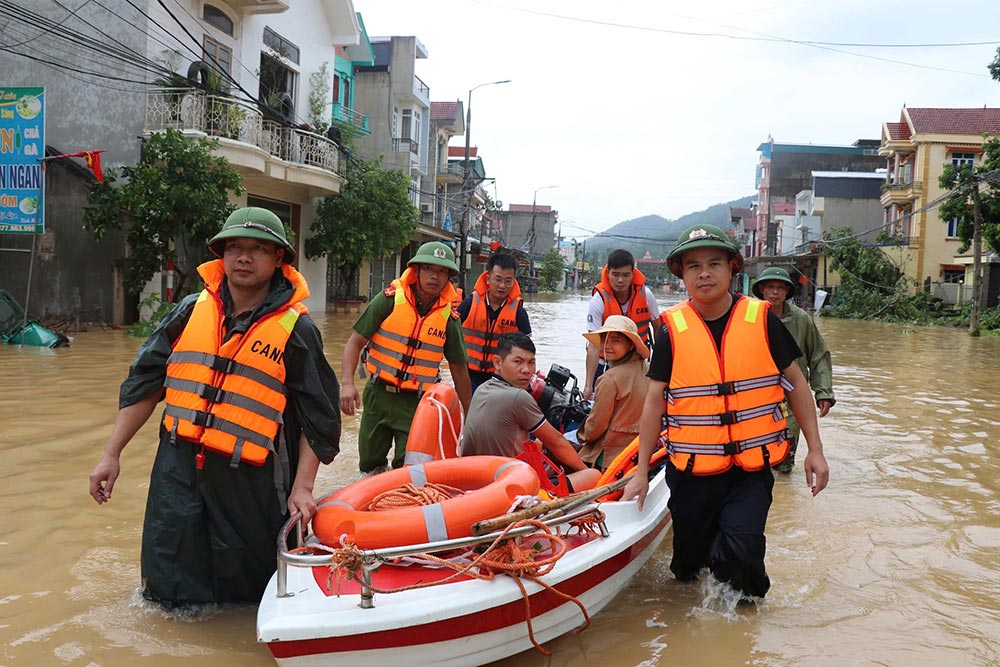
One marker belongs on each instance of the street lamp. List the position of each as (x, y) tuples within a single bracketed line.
[(466, 182)]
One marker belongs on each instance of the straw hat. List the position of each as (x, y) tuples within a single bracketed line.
[(623, 325)]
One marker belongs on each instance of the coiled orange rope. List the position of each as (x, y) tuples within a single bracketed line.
[(517, 557), (409, 495)]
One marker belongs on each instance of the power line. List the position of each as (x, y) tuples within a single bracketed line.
[(764, 37)]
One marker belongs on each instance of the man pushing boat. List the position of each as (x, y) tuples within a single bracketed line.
[(720, 370), (408, 329)]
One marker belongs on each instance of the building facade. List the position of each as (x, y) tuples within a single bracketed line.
[(916, 150), (233, 70), (784, 170)]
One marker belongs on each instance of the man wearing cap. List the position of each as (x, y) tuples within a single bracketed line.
[(494, 308), (620, 393), (621, 291), (250, 411), (776, 287), (407, 330), (721, 368)]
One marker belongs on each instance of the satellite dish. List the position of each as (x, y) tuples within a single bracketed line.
[(498, 204)]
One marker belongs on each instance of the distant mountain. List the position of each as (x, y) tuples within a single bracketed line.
[(658, 235)]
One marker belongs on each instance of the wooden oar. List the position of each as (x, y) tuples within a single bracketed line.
[(552, 508)]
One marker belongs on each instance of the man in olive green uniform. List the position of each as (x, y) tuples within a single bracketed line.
[(390, 402), (775, 286)]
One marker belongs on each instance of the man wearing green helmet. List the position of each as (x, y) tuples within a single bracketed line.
[(250, 412), (776, 287), (406, 330), (721, 368)]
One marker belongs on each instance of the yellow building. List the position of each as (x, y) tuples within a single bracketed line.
[(917, 149)]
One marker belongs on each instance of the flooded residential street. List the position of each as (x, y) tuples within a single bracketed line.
[(894, 564)]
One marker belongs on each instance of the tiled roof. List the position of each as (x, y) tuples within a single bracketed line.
[(953, 121), (459, 151), (898, 131), (444, 110)]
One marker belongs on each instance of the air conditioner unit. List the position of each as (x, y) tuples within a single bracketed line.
[(427, 208)]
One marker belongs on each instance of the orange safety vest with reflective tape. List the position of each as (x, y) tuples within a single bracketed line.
[(638, 309), (407, 349), (229, 396), (724, 408), (480, 336)]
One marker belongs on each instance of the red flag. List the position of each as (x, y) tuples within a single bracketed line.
[(93, 159)]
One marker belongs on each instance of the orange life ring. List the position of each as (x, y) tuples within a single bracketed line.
[(495, 483), (436, 427), (623, 464)]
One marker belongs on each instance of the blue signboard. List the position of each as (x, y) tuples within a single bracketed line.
[(22, 143)]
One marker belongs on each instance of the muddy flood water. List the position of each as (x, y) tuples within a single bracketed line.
[(896, 563)]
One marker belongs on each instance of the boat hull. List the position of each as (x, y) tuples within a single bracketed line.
[(465, 623)]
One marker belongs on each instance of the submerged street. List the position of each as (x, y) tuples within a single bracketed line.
[(893, 564)]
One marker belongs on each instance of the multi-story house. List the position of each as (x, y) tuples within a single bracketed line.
[(784, 170), (916, 150), (253, 60), (397, 104), (531, 229), (744, 221)]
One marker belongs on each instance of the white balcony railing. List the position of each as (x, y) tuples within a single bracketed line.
[(219, 116)]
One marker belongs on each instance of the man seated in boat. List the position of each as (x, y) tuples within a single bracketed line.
[(503, 414), (619, 393)]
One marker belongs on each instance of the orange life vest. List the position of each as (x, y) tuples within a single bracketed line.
[(638, 309), (724, 408), (480, 336), (407, 349), (229, 396)]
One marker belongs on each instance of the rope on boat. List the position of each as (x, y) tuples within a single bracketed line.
[(518, 558), (442, 414), (409, 495)]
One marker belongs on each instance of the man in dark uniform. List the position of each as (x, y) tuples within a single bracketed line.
[(212, 516), (728, 363)]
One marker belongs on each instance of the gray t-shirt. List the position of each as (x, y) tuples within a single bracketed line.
[(501, 417)]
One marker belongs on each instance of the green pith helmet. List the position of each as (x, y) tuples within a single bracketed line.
[(252, 222), (437, 253), (772, 273), (702, 236)]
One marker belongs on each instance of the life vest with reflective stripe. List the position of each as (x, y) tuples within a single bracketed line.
[(229, 396), (480, 335), (407, 349), (638, 309), (724, 408)]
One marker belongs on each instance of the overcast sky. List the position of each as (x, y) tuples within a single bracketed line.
[(629, 118)]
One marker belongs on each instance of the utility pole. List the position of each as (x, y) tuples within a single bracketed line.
[(977, 250), (531, 230)]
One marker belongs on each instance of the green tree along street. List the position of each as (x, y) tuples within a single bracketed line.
[(372, 217), (977, 209), (553, 269), (175, 198), (873, 286)]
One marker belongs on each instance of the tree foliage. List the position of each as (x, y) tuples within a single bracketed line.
[(372, 218), (868, 278), (553, 269), (960, 206), (172, 201)]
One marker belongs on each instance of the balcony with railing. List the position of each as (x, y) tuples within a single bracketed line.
[(405, 143), (901, 191), (351, 118), (421, 91), (253, 144)]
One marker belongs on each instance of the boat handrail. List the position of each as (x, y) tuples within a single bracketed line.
[(370, 556)]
